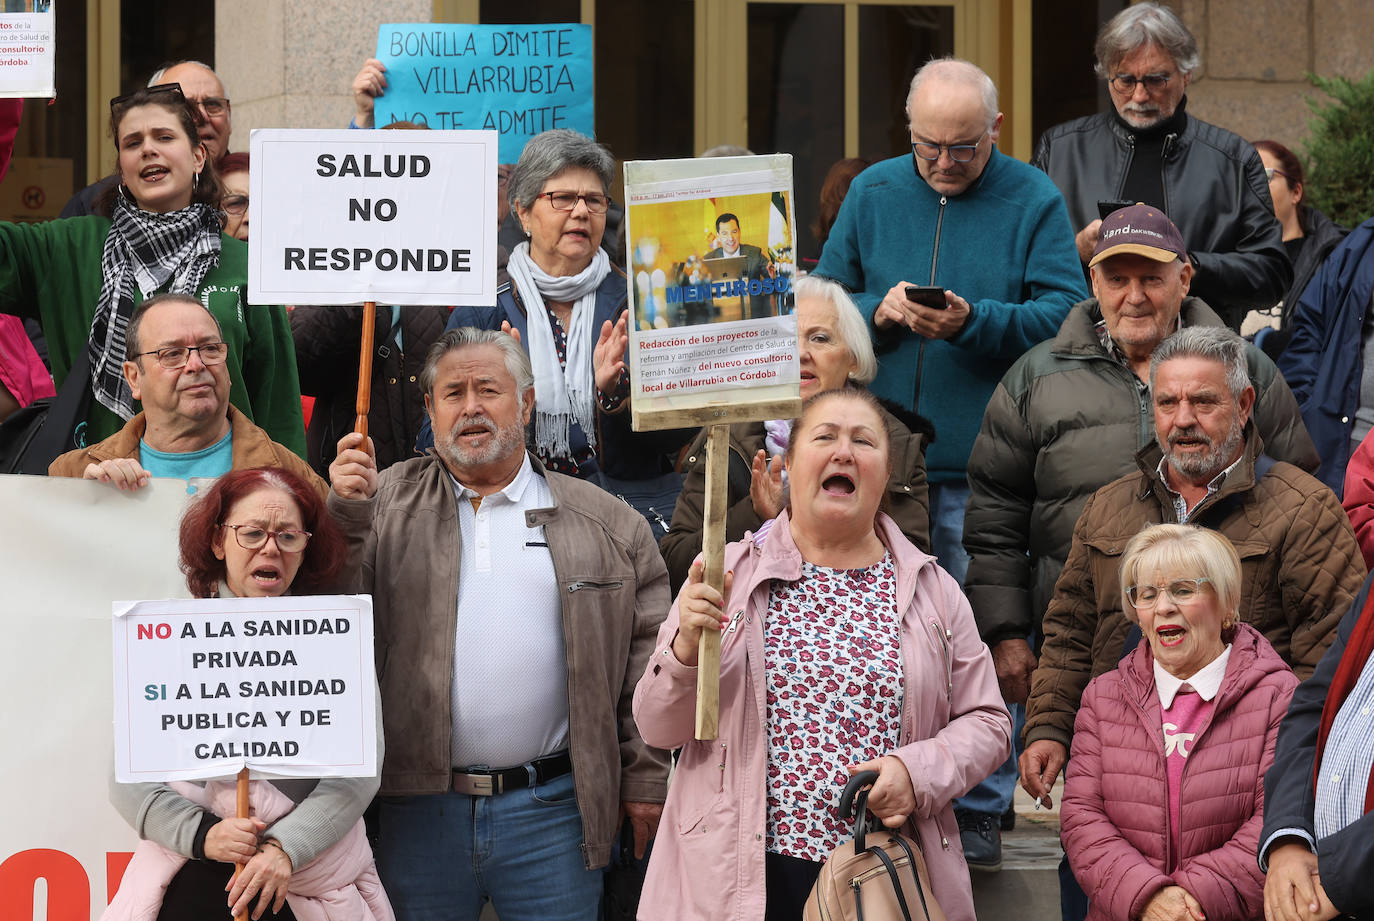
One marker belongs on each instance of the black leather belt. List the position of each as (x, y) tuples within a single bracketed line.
[(480, 782)]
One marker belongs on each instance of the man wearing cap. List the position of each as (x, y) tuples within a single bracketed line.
[(1069, 418), (1300, 564)]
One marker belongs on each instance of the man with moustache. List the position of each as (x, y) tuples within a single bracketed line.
[(515, 608), (1210, 182), (1300, 563)]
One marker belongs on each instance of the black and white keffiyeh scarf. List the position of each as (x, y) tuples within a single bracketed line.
[(146, 250)]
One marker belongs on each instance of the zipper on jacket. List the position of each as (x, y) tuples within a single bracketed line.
[(934, 260), (578, 586), (943, 636), (1130, 155), (1164, 173)]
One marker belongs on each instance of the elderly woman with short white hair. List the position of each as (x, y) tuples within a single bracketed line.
[(1164, 796), (835, 352)]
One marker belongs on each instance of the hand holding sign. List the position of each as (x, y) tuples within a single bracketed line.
[(233, 840), (367, 86)]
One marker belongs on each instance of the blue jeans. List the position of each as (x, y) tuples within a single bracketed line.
[(994, 793), (442, 856), (947, 502)]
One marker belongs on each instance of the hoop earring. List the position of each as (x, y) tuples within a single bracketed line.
[(195, 183), (124, 193)]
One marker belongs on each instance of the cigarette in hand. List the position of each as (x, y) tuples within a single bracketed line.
[(1039, 804)]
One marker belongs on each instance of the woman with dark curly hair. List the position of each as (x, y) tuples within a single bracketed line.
[(261, 532)]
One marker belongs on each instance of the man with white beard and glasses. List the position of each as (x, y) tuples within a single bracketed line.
[(515, 608), (1300, 564)]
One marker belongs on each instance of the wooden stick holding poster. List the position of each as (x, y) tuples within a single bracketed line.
[(241, 810), (715, 338), (364, 404)]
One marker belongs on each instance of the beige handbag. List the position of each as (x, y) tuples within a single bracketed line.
[(880, 875)]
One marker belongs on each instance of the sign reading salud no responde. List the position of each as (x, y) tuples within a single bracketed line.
[(282, 686)]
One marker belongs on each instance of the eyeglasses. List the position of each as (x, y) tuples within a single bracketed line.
[(173, 89), (1182, 591), (959, 153), (214, 106), (1125, 84), (176, 356), (251, 537), (1270, 172), (234, 204), (567, 201)]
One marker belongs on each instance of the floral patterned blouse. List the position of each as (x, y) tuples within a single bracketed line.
[(833, 667)]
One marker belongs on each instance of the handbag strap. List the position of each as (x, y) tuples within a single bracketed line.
[(67, 410), (894, 878), (901, 842)]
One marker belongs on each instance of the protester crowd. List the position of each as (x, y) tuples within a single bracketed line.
[(1045, 512)]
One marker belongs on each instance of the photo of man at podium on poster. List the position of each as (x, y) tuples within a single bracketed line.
[(732, 259)]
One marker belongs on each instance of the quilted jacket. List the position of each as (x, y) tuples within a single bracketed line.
[(1115, 814), (1300, 569)]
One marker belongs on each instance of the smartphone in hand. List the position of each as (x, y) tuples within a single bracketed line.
[(1106, 207), (927, 295)]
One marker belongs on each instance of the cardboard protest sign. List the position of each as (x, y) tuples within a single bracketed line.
[(68, 547), (396, 217), (27, 50), (516, 80), (283, 686), (712, 261)]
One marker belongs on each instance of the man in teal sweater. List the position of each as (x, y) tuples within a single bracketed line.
[(988, 230), (993, 234)]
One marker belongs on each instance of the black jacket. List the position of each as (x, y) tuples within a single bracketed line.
[(1214, 192), (327, 342), (1345, 860)]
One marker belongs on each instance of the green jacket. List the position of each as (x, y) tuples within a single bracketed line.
[(51, 272), (1064, 421)]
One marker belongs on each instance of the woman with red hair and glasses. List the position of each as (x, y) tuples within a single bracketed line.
[(260, 533)]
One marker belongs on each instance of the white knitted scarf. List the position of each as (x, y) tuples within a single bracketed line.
[(561, 394)]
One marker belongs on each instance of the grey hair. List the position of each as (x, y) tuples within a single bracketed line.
[(517, 362), (132, 347), (1214, 343), (1140, 25), (158, 74), (550, 153), (726, 150), (849, 323), (957, 70)]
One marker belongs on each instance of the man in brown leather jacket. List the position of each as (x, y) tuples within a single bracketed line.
[(515, 608)]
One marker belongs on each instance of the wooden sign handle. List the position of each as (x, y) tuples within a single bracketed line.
[(365, 368), (713, 551), (242, 813)]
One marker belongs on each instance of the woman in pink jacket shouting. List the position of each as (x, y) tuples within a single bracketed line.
[(844, 648), (1164, 797)]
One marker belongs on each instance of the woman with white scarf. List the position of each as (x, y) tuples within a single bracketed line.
[(566, 302), (83, 277)]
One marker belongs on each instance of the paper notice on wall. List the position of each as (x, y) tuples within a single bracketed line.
[(27, 42)]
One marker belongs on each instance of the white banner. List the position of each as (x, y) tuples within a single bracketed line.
[(67, 549), (282, 686), (396, 217), (27, 57)]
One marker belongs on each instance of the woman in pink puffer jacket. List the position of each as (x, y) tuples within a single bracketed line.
[(1164, 796)]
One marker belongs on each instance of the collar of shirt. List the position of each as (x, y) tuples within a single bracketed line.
[(513, 491), (1206, 681), (1113, 350), (1181, 509)]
